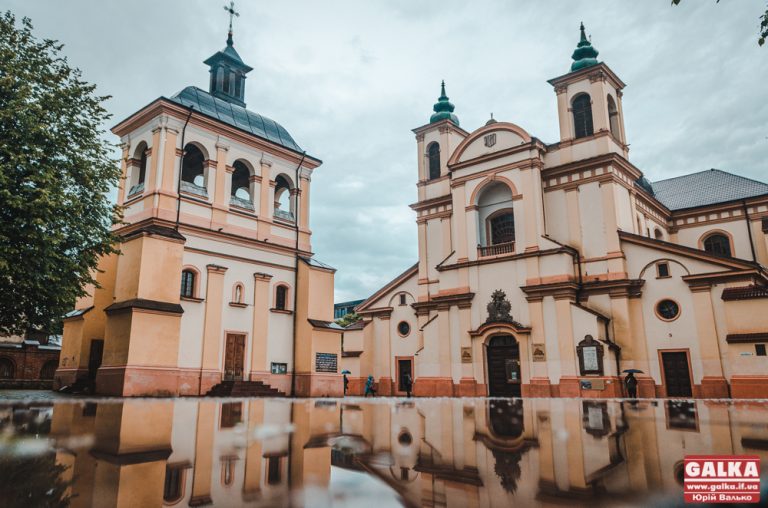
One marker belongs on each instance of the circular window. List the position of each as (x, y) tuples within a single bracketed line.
[(403, 328), (667, 310), (405, 438)]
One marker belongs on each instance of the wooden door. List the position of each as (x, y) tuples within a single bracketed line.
[(676, 373), (95, 357), (504, 376), (233, 358)]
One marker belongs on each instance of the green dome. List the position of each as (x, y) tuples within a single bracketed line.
[(443, 109), (584, 55)]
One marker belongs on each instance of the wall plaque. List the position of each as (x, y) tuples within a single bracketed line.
[(539, 352), (326, 362), (466, 355)]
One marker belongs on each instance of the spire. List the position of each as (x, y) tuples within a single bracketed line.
[(227, 68), (443, 109), (584, 55), (232, 13), (491, 121)]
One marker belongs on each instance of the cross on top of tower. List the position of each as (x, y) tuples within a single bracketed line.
[(232, 13)]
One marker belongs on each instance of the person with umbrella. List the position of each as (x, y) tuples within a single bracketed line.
[(408, 384), (346, 380), (631, 382)]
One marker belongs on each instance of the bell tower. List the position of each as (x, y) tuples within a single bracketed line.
[(589, 102)]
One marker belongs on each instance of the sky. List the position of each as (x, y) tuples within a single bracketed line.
[(350, 79)]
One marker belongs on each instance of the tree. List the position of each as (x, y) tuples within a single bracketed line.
[(763, 31), (55, 176), (348, 319)]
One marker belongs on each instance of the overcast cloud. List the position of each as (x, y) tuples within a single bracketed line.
[(350, 79)]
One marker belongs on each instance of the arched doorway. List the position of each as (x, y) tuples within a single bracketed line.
[(504, 376)]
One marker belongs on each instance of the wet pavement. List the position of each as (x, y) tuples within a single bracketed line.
[(63, 451)]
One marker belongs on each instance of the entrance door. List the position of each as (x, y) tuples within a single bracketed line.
[(95, 357), (504, 379), (404, 369), (233, 359), (676, 373)]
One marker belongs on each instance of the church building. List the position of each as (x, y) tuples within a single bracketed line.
[(550, 269), (215, 286)]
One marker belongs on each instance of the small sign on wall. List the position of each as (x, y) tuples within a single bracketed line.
[(326, 362), (466, 355), (539, 352)]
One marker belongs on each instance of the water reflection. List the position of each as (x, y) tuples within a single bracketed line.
[(450, 452)]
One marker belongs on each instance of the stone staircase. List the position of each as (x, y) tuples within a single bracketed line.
[(243, 389)]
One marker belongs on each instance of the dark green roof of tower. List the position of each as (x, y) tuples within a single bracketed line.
[(584, 55), (443, 108)]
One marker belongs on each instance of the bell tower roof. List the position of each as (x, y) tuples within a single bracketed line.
[(443, 108), (585, 55)]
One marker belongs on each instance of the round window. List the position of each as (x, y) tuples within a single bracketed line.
[(403, 328), (667, 310)]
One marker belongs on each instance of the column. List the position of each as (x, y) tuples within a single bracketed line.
[(124, 183), (569, 382), (253, 454), (574, 217), (210, 373), (223, 179), (460, 222), (540, 383), (564, 115), (170, 163), (154, 160), (260, 330), (713, 383), (634, 346), (303, 216), (597, 93), (266, 200), (201, 480)]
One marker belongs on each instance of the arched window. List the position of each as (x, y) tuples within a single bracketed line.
[(281, 297), (49, 369), (718, 244), (241, 185), (188, 284), (138, 173), (613, 118), (658, 234), (284, 199), (193, 168), (496, 220), (433, 156), (173, 489), (7, 368), (582, 115)]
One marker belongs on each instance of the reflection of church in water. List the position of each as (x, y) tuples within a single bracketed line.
[(459, 453)]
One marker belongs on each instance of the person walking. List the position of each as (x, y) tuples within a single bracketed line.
[(346, 384), (408, 385), (631, 383), (369, 387)]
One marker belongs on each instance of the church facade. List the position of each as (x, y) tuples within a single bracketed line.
[(215, 280), (548, 270)]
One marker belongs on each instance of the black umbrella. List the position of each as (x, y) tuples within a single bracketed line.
[(633, 371)]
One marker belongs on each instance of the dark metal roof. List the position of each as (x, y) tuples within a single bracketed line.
[(236, 116), (706, 188)]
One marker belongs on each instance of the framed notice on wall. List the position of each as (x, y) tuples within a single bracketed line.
[(326, 362)]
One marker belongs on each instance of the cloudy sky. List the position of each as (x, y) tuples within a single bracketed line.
[(350, 79)]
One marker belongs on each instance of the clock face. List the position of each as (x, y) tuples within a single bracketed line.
[(667, 309)]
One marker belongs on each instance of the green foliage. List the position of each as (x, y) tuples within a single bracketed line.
[(348, 319), (55, 175), (763, 24), (34, 480)]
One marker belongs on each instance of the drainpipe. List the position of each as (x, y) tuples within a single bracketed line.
[(749, 231), (178, 180), (296, 276)]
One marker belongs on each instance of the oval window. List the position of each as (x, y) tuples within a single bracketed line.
[(403, 328), (668, 310)]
